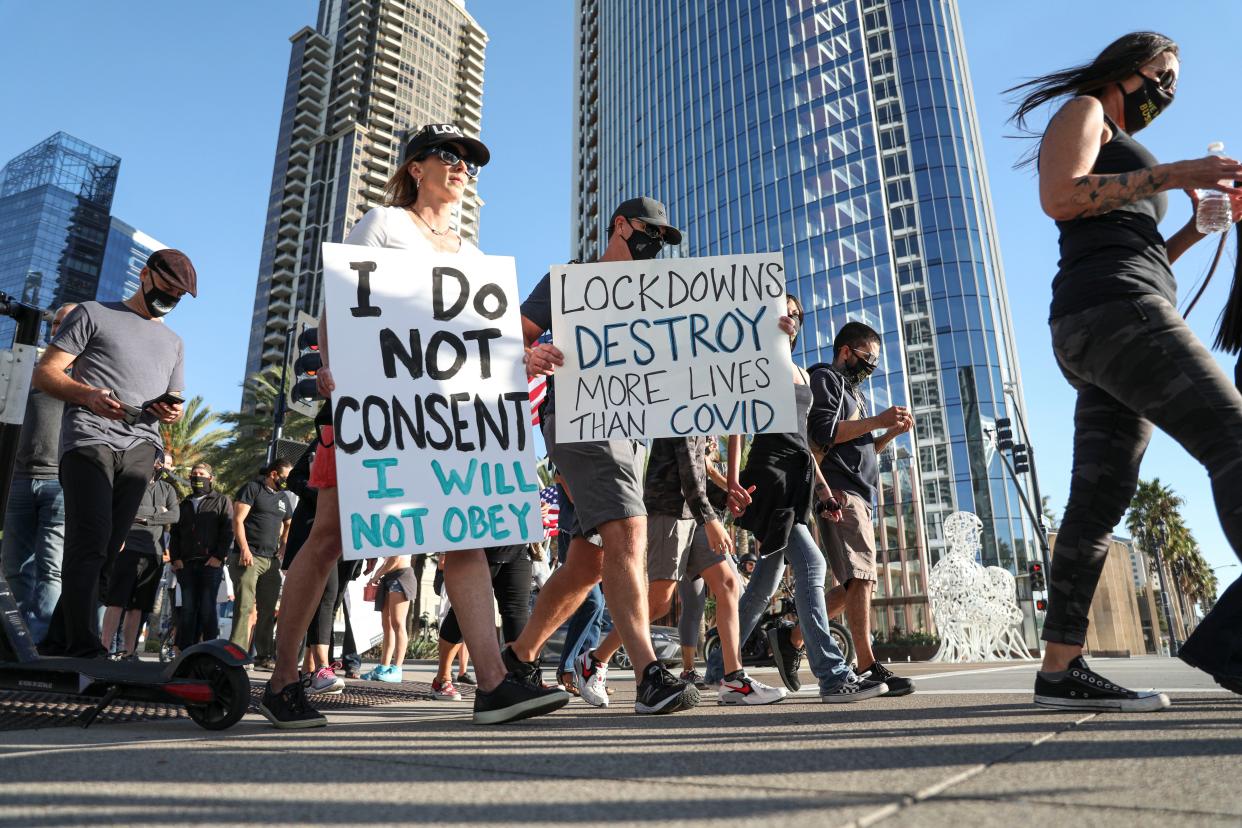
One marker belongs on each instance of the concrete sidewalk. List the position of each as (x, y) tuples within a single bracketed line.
[(968, 749)]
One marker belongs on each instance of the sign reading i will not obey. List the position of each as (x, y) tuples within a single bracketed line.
[(431, 411), (671, 347)]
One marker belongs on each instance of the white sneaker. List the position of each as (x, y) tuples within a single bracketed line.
[(592, 678), (745, 690), (324, 681)]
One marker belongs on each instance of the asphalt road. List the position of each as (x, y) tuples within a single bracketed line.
[(967, 749)]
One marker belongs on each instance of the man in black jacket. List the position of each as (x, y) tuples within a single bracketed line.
[(198, 549), (135, 577), (839, 422)]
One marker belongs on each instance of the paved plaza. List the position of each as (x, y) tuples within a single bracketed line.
[(967, 749)]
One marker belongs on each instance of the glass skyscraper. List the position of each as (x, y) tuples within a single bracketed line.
[(124, 258), (55, 204), (842, 134)]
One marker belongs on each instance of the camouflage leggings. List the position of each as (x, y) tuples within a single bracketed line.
[(1135, 363)]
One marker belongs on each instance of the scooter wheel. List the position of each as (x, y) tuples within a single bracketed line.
[(230, 685)]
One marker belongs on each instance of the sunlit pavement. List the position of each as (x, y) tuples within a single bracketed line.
[(967, 749)]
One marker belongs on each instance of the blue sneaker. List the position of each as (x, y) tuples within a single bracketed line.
[(391, 674), (373, 675)]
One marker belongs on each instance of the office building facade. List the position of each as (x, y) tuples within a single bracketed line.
[(367, 74), (124, 258), (55, 212), (842, 134)]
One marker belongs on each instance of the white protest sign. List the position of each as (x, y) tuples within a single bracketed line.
[(671, 347), (431, 411)]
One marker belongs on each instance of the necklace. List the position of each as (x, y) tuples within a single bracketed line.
[(433, 230)]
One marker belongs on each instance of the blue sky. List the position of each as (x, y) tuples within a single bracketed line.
[(190, 100)]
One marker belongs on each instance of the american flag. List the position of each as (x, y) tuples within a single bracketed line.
[(552, 517), (538, 387), (538, 393)]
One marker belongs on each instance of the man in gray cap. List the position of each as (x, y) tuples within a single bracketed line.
[(604, 481), (120, 371)]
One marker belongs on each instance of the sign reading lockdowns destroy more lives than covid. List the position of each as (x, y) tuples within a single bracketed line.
[(672, 347), (431, 411)]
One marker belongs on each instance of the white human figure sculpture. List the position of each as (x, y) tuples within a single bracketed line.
[(975, 608)]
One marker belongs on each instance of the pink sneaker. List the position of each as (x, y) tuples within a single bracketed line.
[(324, 681)]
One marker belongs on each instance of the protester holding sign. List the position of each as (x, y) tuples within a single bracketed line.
[(773, 498), (423, 196), (604, 480)]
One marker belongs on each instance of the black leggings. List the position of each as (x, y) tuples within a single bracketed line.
[(511, 576), (1135, 363), (320, 630)]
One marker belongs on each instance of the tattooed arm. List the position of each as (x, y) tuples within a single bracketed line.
[(1068, 190)]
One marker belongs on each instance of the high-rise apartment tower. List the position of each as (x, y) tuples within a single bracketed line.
[(368, 73)]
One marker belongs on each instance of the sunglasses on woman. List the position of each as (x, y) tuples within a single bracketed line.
[(452, 159)]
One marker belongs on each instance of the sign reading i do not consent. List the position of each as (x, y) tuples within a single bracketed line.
[(431, 411), (667, 348)]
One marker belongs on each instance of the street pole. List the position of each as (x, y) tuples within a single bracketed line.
[(278, 414), (1030, 451), (1164, 587)]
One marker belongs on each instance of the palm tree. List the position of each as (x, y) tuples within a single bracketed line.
[(240, 458), (192, 438)]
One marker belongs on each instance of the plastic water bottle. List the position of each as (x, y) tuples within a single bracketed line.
[(1214, 213)]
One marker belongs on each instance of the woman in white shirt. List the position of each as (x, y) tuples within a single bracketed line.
[(423, 198)]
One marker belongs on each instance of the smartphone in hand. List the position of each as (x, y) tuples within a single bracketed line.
[(168, 398)]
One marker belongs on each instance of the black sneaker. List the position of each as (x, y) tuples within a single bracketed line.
[(662, 692), (513, 700), (897, 686), (694, 677), (788, 658), (856, 688), (466, 679), (289, 709), (1081, 688), (523, 672)]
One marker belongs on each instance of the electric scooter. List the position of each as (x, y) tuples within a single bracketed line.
[(209, 679)]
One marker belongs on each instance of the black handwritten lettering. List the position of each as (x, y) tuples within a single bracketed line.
[(364, 306)]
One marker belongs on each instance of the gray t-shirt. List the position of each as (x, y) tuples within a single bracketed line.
[(137, 359)]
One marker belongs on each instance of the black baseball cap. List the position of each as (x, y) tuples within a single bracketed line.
[(434, 135), (176, 268), (650, 211)]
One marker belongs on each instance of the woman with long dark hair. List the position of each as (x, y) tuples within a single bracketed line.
[(1117, 335)]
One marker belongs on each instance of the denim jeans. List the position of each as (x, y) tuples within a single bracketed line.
[(34, 546), (584, 631), (809, 569)]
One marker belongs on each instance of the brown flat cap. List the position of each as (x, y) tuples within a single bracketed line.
[(176, 268)]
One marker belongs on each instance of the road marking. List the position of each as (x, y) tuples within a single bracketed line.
[(940, 787)]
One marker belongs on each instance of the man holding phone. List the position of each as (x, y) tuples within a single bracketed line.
[(120, 371)]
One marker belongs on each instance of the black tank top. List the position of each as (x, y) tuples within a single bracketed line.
[(1117, 254)]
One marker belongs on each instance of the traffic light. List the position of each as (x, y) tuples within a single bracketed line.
[(1004, 434), (1036, 571), (306, 366), (1021, 459), (1041, 605)]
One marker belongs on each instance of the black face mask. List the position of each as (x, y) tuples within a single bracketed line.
[(200, 486), (857, 371), (1143, 104), (159, 302), (643, 246)]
